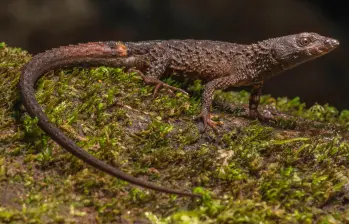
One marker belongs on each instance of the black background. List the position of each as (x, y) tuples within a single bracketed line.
[(37, 25)]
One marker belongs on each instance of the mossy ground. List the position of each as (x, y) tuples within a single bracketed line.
[(263, 173)]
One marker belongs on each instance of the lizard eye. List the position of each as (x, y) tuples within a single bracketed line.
[(304, 41)]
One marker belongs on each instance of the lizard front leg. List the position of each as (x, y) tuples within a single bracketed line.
[(207, 97), (254, 100)]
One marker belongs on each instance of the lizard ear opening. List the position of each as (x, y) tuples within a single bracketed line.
[(273, 53)]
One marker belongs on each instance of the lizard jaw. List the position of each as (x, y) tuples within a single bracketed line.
[(328, 45)]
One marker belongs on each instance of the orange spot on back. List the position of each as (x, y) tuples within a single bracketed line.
[(121, 49)]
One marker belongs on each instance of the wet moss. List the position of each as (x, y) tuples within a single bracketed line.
[(294, 170)]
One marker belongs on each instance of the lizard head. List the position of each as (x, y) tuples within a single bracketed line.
[(290, 51)]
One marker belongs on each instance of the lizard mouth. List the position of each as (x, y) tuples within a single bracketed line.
[(323, 47), (328, 45)]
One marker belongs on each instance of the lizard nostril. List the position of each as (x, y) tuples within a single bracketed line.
[(332, 42)]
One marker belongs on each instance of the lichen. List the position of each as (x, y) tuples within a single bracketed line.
[(292, 171)]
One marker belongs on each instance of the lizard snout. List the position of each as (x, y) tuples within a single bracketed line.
[(331, 43)]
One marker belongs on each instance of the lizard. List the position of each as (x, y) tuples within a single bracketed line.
[(218, 64)]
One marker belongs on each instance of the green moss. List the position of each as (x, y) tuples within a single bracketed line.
[(292, 171)]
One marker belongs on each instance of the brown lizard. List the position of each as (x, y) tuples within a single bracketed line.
[(219, 64)]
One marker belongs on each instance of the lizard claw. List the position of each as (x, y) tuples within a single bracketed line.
[(158, 83), (166, 86), (208, 122), (169, 88), (156, 90)]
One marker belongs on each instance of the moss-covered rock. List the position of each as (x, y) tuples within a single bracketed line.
[(294, 170)]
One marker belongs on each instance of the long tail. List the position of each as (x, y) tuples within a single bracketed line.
[(91, 54)]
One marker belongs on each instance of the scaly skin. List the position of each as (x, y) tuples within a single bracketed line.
[(219, 64)]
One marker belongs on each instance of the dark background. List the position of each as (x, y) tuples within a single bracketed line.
[(37, 25)]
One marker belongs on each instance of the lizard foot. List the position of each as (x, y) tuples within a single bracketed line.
[(208, 122), (158, 83)]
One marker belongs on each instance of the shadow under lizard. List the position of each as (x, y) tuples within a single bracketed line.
[(219, 64)]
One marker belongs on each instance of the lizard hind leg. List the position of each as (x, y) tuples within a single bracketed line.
[(151, 80)]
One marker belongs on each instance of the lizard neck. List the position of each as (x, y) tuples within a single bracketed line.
[(261, 64)]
